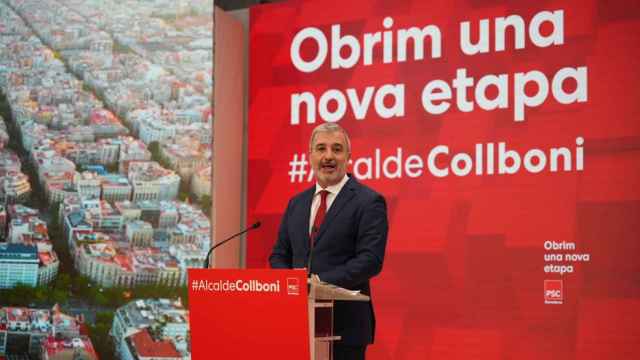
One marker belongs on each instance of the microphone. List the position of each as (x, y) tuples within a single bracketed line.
[(253, 226)]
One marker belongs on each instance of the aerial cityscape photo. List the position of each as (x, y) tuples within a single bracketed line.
[(105, 175)]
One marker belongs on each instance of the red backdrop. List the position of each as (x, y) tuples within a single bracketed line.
[(465, 269)]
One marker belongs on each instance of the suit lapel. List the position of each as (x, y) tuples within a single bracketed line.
[(307, 198), (344, 196)]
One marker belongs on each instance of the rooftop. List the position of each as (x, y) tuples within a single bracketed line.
[(19, 252), (144, 313), (142, 344), (72, 347), (25, 319)]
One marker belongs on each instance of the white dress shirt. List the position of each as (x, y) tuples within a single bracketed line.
[(333, 190)]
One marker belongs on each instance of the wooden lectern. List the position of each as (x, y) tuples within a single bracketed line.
[(322, 297)]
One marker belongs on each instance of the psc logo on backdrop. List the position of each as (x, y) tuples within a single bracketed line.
[(553, 292)]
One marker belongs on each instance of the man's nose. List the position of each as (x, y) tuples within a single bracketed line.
[(329, 154)]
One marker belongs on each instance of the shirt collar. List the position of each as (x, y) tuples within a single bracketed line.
[(333, 189)]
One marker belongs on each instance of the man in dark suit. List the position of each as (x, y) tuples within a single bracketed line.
[(343, 224)]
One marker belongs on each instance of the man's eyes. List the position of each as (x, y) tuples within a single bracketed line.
[(335, 149)]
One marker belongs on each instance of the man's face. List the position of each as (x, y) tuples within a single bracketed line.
[(329, 157)]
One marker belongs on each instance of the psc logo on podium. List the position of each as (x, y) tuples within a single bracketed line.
[(293, 286), (553, 292)]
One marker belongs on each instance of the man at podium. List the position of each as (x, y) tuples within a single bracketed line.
[(338, 230)]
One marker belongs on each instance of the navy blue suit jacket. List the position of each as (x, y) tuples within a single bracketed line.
[(348, 251)]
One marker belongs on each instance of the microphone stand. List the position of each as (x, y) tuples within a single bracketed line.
[(254, 226)]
